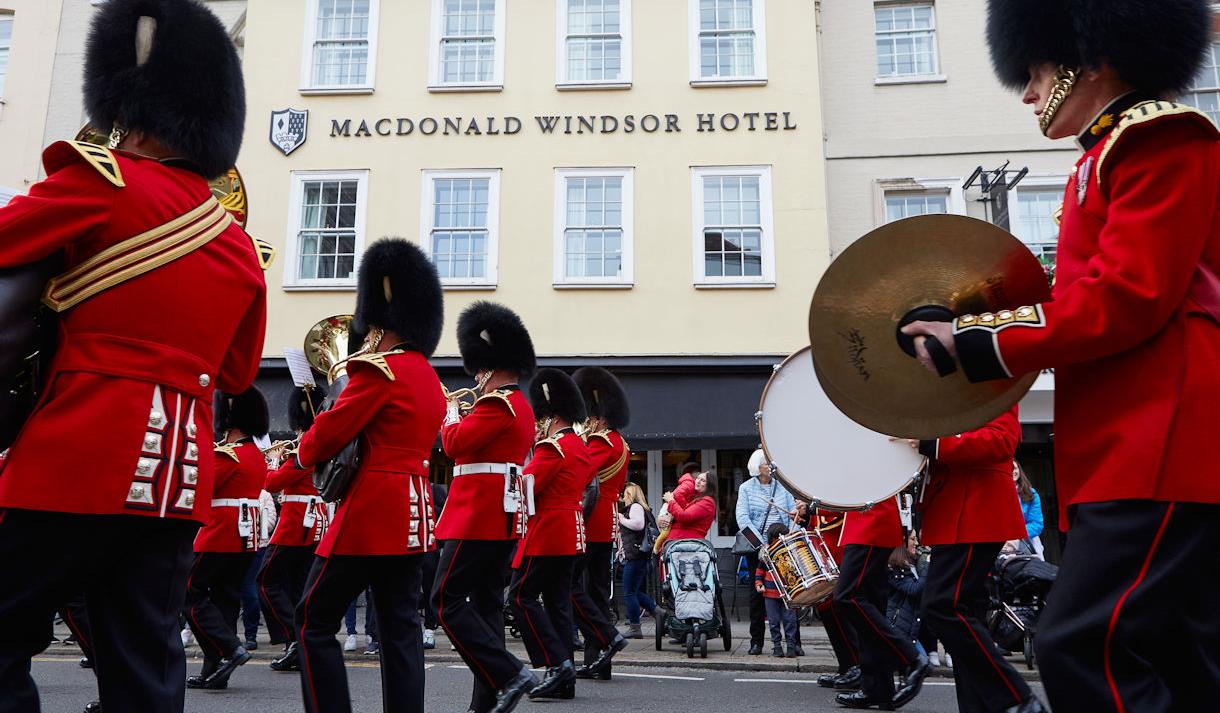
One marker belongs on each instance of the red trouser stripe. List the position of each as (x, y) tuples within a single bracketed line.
[(986, 654), (1118, 700), (440, 616), (195, 620), (529, 562), (313, 692), (856, 603)]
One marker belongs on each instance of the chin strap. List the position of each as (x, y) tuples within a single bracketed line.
[(1065, 81)]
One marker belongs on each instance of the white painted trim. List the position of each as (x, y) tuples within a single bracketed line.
[(493, 223), (623, 81), (949, 186), (759, 20), (307, 86), (766, 217), (559, 256), (434, 53), (913, 79), (291, 248)]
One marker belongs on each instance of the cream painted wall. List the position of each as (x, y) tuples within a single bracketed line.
[(663, 313), (23, 106)]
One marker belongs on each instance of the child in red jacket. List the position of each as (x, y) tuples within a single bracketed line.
[(780, 618)]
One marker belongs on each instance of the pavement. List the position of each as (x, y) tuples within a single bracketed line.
[(65, 688), (641, 653)]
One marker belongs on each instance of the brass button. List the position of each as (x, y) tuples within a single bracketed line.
[(190, 474), (144, 467), (1005, 314), (204, 380), (191, 429), (189, 500), (1025, 312), (192, 451), (987, 318), (151, 442), (968, 319), (155, 418), (137, 492)]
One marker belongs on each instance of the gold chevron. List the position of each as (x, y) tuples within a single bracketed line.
[(552, 441), (102, 160), (379, 360), (264, 250), (1143, 113), (499, 396), (230, 451)]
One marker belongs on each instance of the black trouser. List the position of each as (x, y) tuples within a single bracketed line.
[(842, 637), (431, 560), (955, 605), (1131, 623), (281, 581), (758, 607), (476, 569), (132, 570), (546, 626), (590, 616), (76, 617), (332, 584), (213, 600), (860, 597)]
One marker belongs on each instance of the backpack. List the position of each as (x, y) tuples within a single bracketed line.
[(651, 533)]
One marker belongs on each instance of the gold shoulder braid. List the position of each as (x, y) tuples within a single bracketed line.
[(498, 396), (264, 250), (611, 470), (101, 159), (552, 441), (230, 451), (378, 360), (1143, 113)]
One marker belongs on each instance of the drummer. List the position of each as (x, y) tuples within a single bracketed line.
[(969, 510)]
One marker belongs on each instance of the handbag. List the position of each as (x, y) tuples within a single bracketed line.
[(651, 532), (747, 542)]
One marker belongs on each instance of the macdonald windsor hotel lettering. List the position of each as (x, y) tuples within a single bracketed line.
[(565, 124)]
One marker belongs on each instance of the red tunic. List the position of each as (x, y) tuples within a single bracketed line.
[(561, 469), (830, 527), (130, 388), (393, 401), (239, 478), (692, 513), (879, 526), (609, 454), (290, 529), (1133, 330), (970, 496), (500, 429)]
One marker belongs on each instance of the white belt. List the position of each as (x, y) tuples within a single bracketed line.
[(300, 498), (233, 502), (495, 468)]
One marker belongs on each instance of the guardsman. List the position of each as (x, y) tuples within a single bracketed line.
[(970, 509), (393, 404), (860, 597), (302, 521), (141, 349), (225, 547), (829, 524), (487, 507), (609, 412), (1133, 334), (559, 469)]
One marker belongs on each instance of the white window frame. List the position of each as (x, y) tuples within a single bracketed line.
[(1056, 181), (434, 54), (937, 76), (759, 21), (627, 277), (561, 51), (296, 199), (1192, 93), (311, 35), (950, 186), (8, 49), (427, 213), (766, 219)]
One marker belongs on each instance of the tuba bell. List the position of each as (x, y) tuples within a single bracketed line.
[(327, 343)]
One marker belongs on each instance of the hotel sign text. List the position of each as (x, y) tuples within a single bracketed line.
[(561, 124)]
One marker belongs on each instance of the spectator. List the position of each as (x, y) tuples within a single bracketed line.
[(370, 624), (250, 608), (637, 563), (906, 591), (781, 618), (1031, 508), (439, 493), (761, 502), (692, 507)]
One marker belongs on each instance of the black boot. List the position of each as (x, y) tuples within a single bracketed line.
[(93, 707), (1029, 705), (860, 699), (560, 682), (510, 695), (86, 662), (289, 661), (755, 648), (848, 681), (827, 680), (912, 681), (220, 678), (601, 667), (200, 681)]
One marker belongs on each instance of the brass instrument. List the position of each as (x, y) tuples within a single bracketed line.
[(277, 452), (460, 394), (327, 341)]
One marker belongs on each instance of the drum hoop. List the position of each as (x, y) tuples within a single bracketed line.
[(807, 352)]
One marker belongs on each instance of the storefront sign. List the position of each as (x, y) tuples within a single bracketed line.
[(561, 124)]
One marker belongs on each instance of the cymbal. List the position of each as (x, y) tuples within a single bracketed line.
[(957, 264)]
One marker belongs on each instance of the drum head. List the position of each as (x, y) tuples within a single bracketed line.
[(821, 455)]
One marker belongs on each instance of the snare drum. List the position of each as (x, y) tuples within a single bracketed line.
[(821, 455), (803, 568)]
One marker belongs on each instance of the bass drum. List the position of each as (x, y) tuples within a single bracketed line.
[(821, 455)]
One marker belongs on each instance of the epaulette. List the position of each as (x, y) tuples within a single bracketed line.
[(263, 250), (498, 396), (229, 450), (1146, 113), (604, 435), (552, 441), (378, 360), (99, 157)]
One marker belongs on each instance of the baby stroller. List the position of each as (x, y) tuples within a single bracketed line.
[(692, 597), (1019, 584)]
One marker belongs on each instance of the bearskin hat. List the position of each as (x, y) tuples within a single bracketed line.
[(169, 69), (604, 396), (247, 412), (553, 394), (398, 290), (491, 336), (300, 415), (1154, 45)]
